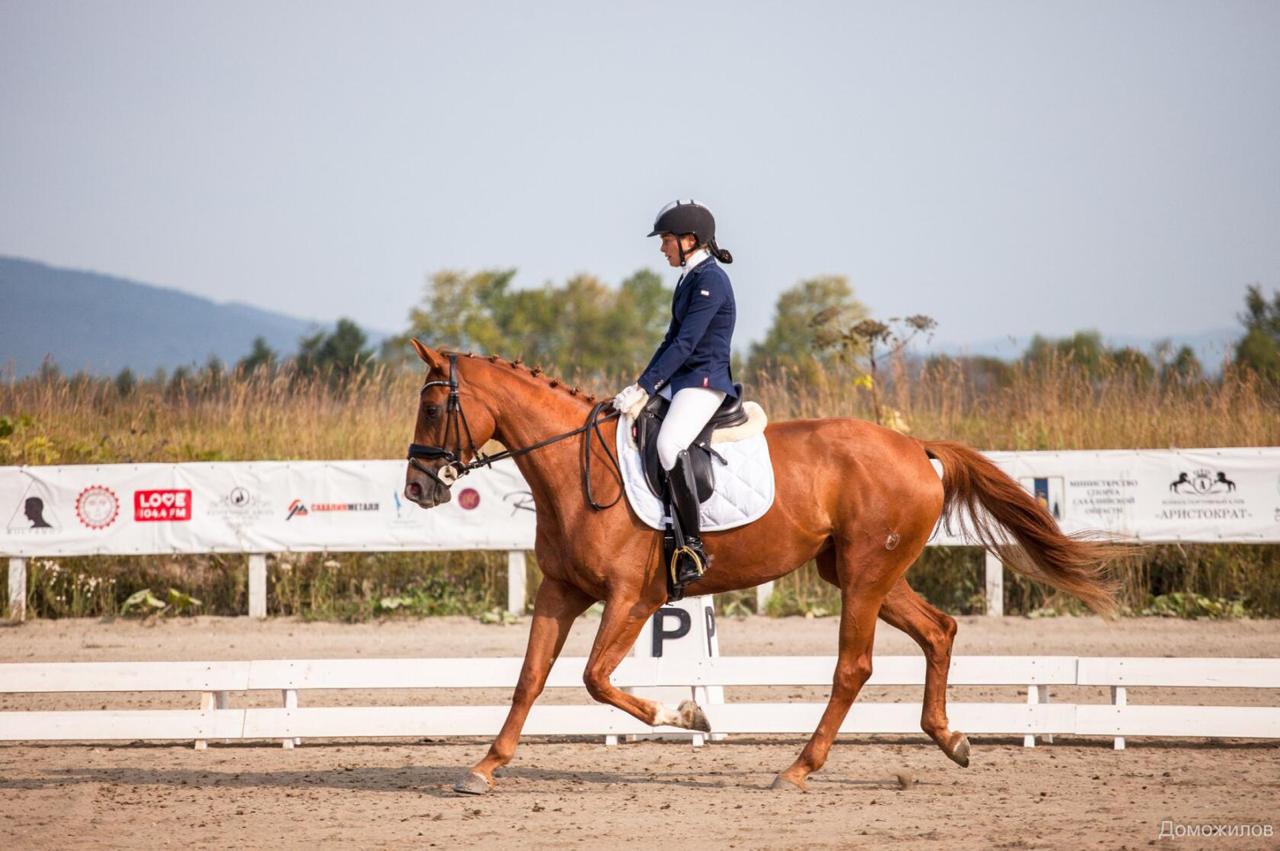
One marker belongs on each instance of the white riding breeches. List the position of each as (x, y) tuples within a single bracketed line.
[(690, 409)]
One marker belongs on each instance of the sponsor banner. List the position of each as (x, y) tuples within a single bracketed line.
[(1207, 495), (1193, 495), (254, 507)]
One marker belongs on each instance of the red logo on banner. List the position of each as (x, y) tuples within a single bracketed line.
[(162, 505), (469, 498), (97, 506)]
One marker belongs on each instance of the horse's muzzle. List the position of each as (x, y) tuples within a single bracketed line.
[(425, 491)]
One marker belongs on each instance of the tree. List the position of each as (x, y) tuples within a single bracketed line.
[(261, 356), (180, 383), (1084, 349), (802, 317), (1184, 366), (339, 354), (463, 311), (126, 382), (1259, 349), (50, 372), (584, 326), (982, 372), (1129, 360)]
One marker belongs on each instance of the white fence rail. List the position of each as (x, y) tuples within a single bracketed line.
[(1034, 716)]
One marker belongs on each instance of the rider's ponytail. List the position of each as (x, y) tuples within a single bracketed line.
[(719, 253)]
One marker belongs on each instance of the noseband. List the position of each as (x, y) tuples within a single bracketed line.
[(455, 424)]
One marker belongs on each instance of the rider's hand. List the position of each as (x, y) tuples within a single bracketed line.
[(631, 400)]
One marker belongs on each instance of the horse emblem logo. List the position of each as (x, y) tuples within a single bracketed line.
[(1202, 482)]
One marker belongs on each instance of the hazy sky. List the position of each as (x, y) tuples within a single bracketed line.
[(1005, 167)]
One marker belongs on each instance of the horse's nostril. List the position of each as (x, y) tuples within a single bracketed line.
[(415, 491)]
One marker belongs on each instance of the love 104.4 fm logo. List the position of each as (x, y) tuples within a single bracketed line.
[(170, 506)]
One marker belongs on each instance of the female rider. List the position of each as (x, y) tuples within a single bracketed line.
[(691, 366)]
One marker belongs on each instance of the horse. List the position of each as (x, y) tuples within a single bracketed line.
[(859, 499)]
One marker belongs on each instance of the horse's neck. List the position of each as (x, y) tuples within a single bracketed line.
[(527, 412)]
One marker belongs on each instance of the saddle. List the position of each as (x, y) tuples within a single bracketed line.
[(645, 432)]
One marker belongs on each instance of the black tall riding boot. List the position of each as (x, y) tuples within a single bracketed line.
[(690, 559)]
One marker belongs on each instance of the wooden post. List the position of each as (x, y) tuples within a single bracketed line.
[(206, 705), (290, 702), (1033, 697), (763, 593), (18, 589), (257, 585), (515, 582), (1044, 698), (1119, 697), (220, 702), (994, 586)]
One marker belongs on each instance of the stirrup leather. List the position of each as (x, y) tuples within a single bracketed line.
[(684, 507)]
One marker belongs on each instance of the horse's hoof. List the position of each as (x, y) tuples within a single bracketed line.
[(960, 752), (786, 784), (472, 784), (693, 717)]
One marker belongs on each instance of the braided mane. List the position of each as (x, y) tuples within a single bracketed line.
[(536, 372)]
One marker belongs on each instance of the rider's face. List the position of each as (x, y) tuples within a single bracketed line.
[(671, 250)]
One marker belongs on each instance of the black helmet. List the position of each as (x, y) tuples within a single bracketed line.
[(682, 217)]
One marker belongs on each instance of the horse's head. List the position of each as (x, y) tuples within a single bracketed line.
[(447, 432)]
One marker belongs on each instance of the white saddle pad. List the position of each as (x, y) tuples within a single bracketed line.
[(743, 486)]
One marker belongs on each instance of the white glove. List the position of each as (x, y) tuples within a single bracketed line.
[(631, 400)]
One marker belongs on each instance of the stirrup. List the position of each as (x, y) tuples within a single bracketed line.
[(681, 578)]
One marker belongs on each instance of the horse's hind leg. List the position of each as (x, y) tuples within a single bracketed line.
[(864, 578), (935, 632)]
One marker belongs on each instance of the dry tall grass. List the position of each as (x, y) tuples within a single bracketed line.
[(1054, 405), (285, 416), (1057, 405)]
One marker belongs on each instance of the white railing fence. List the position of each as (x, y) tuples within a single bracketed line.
[(1033, 716), (517, 593)]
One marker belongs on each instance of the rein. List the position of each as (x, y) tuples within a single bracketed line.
[(456, 424)]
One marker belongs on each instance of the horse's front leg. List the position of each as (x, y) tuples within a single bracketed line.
[(555, 608), (624, 616)]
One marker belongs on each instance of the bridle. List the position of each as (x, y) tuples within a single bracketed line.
[(456, 425)]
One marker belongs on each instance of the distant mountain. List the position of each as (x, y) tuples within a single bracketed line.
[(101, 324)]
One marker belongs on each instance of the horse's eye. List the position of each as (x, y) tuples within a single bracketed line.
[(433, 411)]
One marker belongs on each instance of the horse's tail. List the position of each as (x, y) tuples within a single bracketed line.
[(982, 499)]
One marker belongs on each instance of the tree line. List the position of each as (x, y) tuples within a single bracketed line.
[(587, 330)]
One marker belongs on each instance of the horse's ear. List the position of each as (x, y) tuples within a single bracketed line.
[(430, 358)]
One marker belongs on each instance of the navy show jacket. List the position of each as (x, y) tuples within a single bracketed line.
[(695, 351)]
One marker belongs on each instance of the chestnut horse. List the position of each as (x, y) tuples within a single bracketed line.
[(860, 499)]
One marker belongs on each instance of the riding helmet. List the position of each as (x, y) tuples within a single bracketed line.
[(682, 217)]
